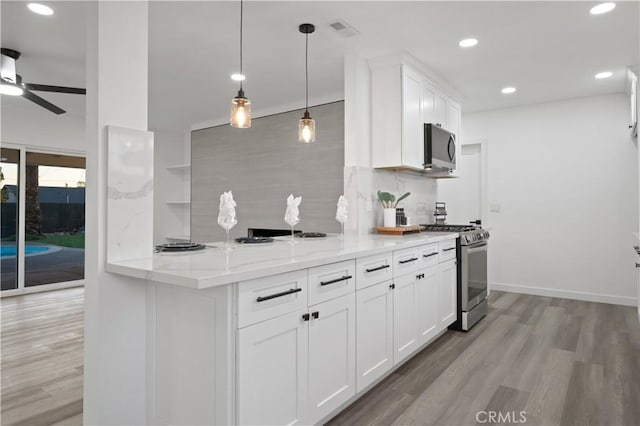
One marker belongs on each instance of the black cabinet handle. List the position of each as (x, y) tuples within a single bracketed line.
[(430, 254), (420, 276), (392, 286), (413, 259), (273, 296), (379, 268), (315, 314), (305, 317), (337, 280), (449, 249)]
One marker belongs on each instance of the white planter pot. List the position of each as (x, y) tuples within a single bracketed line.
[(389, 218)]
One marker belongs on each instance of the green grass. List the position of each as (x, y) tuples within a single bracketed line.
[(68, 240)]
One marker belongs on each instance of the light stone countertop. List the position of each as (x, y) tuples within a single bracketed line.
[(217, 266)]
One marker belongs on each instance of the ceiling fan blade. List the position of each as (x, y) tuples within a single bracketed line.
[(57, 89), (43, 103)]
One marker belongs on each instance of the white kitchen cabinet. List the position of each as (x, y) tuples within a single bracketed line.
[(397, 117), (332, 356), (440, 110), (405, 326), (447, 293), (427, 304), (453, 119), (374, 336), (429, 102), (412, 121), (272, 371), (403, 99)]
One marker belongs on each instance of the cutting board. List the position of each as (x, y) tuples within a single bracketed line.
[(398, 230)]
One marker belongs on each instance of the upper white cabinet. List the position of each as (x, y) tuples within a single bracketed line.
[(412, 125), (403, 99)]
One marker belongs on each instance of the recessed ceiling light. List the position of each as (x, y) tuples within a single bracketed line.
[(603, 8), (604, 74), (508, 90), (11, 90), (237, 77), (40, 9), (468, 42)]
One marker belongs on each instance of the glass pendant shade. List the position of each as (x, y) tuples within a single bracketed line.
[(240, 111), (306, 129)]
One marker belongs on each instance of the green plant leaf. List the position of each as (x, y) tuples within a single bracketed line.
[(402, 197)]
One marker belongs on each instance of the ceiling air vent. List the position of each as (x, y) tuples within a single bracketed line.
[(342, 28)]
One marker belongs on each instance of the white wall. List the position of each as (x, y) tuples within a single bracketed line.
[(39, 128), (171, 148), (361, 181), (565, 177)]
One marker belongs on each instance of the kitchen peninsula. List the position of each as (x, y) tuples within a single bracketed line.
[(287, 333)]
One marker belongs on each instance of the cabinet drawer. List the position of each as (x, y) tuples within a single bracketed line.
[(373, 269), (405, 261), (330, 281), (428, 255), (269, 297), (447, 250)]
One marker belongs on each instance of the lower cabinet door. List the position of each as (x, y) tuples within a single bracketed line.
[(272, 371), (405, 330), (332, 347), (374, 336), (427, 304), (447, 293)]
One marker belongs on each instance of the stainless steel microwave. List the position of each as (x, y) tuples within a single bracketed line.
[(439, 148)]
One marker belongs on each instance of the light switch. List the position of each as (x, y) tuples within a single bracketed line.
[(494, 208)]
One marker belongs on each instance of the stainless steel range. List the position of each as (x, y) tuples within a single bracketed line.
[(471, 250)]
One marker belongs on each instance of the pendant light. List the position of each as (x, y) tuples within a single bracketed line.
[(240, 105), (306, 125)]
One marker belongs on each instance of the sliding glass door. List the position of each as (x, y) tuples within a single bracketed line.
[(9, 174), (43, 235)]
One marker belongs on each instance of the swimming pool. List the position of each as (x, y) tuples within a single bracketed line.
[(9, 251)]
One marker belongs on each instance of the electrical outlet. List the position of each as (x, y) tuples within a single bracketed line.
[(369, 205)]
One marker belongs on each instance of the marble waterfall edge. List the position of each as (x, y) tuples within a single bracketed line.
[(129, 193)]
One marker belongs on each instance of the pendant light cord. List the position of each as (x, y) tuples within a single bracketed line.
[(306, 72), (241, 15)]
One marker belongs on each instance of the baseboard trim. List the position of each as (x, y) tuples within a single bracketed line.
[(564, 294)]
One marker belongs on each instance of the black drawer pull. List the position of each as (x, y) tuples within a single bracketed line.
[(315, 314), (413, 259), (379, 268), (305, 317), (273, 296), (337, 280), (449, 249), (392, 286), (430, 254)]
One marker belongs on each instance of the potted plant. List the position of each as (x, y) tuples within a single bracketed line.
[(389, 204)]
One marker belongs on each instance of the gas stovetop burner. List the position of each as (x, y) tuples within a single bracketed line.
[(449, 228), (469, 234)]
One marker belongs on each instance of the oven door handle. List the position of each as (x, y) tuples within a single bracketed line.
[(477, 248)]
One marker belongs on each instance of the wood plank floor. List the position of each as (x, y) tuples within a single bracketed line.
[(561, 362), (42, 358)]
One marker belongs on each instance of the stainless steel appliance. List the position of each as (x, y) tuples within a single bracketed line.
[(471, 250), (439, 148)]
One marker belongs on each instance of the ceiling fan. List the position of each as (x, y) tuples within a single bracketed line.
[(11, 83)]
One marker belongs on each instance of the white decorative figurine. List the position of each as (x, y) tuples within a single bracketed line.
[(342, 212), (292, 214), (227, 215)]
